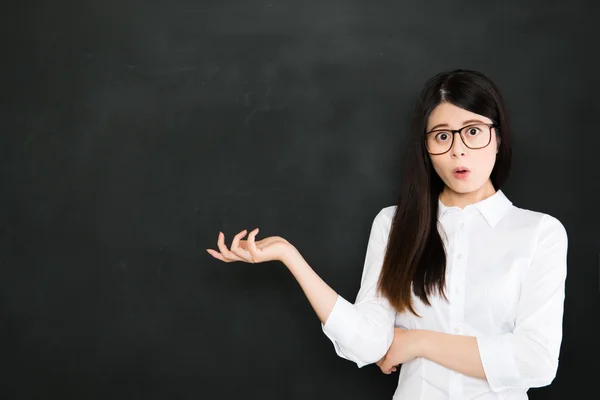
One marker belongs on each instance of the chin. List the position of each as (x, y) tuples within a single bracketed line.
[(463, 187)]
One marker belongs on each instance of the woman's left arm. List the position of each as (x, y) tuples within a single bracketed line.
[(456, 352), (524, 358)]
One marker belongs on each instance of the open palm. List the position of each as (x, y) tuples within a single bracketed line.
[(251, 251)]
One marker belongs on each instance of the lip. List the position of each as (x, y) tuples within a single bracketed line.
[(455, 170)]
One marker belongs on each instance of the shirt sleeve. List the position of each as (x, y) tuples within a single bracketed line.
[(363, 332), (528, 357)]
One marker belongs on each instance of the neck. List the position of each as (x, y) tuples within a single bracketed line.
[(451, 198)]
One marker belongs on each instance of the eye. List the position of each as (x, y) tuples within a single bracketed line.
[(473, 130), (442, 136)]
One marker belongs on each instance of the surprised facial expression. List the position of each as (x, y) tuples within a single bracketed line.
[(474, 165)]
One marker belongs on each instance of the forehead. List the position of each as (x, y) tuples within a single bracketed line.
[(446, 113)]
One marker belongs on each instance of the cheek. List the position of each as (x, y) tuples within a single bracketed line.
[(438, 165), (486, 160)]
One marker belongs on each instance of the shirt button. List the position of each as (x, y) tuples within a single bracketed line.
[(462, 224), (456, 329), (459, 256)]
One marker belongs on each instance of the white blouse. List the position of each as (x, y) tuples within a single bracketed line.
[(505, 280)]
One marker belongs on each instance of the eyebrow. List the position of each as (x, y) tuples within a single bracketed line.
[(464, 123)]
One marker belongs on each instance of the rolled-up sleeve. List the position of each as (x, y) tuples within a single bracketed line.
[(528, 357), (363, 332)]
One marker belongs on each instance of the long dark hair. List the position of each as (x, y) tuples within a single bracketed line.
[(415, 259)]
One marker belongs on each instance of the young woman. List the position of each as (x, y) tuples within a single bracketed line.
[(460, 286)]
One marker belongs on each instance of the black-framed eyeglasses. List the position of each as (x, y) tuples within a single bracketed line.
[(474, 136)]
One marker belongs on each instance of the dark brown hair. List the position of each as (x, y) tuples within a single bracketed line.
[(415, 259)]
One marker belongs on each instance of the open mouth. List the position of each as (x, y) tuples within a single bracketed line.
[(460, 170), (461, 173)]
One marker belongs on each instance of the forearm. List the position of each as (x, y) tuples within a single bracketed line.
[(320, 295), (456, 352)]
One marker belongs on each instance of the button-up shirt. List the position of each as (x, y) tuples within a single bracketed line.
[(505, 277)]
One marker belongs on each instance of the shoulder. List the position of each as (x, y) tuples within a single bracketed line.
[(384, 217), (387, 212), (542, 225)]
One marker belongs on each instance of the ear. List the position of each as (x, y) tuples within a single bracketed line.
[(498, 141)]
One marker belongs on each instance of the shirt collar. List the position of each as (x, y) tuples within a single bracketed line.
[(492, 208)]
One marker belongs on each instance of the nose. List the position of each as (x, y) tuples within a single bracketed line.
[(458, 146)]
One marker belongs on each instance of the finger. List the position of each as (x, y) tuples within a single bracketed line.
[(236, 239), (238, 250), (224, 251), (386, 368), (217, 255), (254, 251)]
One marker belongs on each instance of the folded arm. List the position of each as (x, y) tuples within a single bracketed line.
[(528, 356)]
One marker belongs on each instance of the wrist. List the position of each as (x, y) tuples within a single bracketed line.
[(289, 255), (420, 342)]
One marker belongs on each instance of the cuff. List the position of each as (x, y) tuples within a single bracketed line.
[(342, 321), (498, 362)]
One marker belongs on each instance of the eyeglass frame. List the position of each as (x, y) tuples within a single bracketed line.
[(455, 131)]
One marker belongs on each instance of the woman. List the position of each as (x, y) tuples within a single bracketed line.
[(460, 286)]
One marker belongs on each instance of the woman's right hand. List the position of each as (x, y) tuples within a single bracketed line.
[(272, 248)]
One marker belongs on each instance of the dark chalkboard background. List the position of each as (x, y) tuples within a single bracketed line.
[(133, 132)]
